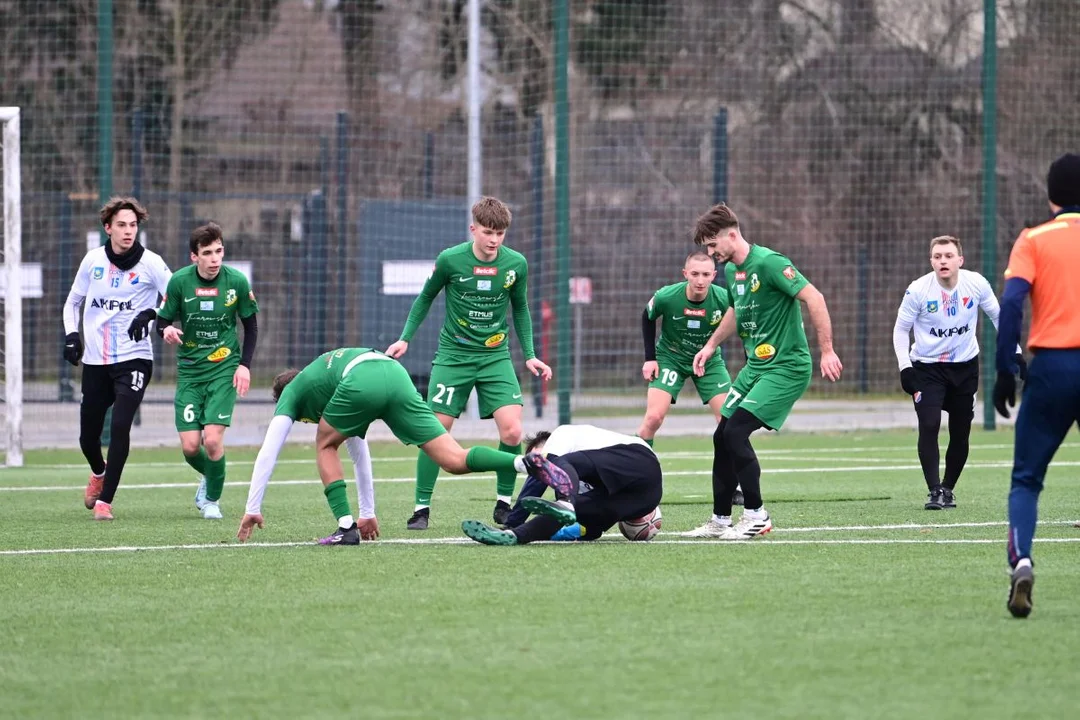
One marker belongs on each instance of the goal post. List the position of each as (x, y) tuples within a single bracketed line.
[(13, 345)]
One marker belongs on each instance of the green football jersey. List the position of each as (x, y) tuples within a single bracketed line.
[(767, 314), (208, 312), (686, 325), (305, 398), (478, 296)]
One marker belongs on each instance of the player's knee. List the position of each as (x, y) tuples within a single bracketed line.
[(190, 446), (511, 435), (215, 446), (930, 423), (455, 463), (653, 420)]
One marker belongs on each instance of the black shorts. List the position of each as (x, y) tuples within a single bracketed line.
[(946, 386), (103, 384)]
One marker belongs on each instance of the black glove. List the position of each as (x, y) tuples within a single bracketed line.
[(140, 326), (73, 348), (1021, 365), (1004, 392), (907, 380)]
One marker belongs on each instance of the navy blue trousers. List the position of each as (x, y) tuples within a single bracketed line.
[(1050, 405)]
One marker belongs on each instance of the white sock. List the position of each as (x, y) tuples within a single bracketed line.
[(1023, 562), (722, 519), (760, 513), (96, 475), (519, 463), (503, 498), (420, 507), (345, 522)]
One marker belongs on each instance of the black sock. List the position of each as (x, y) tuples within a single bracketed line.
[(539, 527), (91, 422), (119, 444), (743, 458), (929, 454), (956, 454), (723, 474)]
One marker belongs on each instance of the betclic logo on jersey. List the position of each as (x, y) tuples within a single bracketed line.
[(491, 271), (206, 292), (694, 312)]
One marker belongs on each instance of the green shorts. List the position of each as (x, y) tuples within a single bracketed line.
[(673, 373), (494, 378), (381, 389), (199, 404), (768, 394)]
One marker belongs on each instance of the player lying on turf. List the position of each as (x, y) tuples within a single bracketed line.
[(344, 391), (599, 477)]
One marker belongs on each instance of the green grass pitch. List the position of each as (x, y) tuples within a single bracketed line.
[(860, 605)]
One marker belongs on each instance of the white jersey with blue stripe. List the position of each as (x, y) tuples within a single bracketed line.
[(111, 299)]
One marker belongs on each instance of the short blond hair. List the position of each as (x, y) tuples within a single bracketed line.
[(491, 213), (947, 240)]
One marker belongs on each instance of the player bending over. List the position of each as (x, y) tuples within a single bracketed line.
[(344, 391), (599, 477)]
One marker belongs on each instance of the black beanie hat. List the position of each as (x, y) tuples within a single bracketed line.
[(1063, 181)]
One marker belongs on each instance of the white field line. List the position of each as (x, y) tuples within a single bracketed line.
[(764, 542), (792, 454), (484, 476)]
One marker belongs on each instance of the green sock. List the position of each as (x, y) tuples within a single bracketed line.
[(215, 478), (482, 458), (427, 472), (338, 499), (198, 460), (506, 478), (649, 441)]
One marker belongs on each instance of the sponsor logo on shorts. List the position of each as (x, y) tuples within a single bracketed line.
[(251, 295), (206, 292), (478, 270), (918, 395), (764, 351), (516, 396), (495, 340), (789, 272), (694, 312), (219, 355)]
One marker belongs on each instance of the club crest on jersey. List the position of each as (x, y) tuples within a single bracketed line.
[(230, 297), (206, 292), (755, 283), (478, 270), (969, 302), (133, 278), (99, 272), (931, 306), (716, 316), (511, 278), (789, 272)]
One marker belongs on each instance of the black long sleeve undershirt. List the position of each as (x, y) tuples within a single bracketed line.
[(648, 333)]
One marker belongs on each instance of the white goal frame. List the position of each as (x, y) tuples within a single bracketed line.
[(13, 345)]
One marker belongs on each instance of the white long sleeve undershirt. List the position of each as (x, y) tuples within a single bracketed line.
[(276, 435)]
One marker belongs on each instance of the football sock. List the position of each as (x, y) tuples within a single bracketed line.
[(215, 478), (956, 454), (1023, 511), (539, 527), (929, 454), (506, 478), (504, 498), (418, 507), (198, 461), (649, 441), (723, 475), (744, 461), (482, 458), (427, 472), (338, 499), (119, 443)]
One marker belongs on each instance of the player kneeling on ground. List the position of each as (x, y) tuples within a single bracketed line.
[(599, 477), (344, 391)]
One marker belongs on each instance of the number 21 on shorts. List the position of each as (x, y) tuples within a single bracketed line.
[(441, 391)]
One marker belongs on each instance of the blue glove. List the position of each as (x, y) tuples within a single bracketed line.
[(569, 533)]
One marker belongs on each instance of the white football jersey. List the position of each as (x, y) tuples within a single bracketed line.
[(566, 439), (112, 298), (945, 321)]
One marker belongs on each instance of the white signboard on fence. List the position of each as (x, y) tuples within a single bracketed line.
[(580, 291)]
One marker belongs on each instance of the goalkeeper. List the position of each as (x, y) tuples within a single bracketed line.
[(344, 391)]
